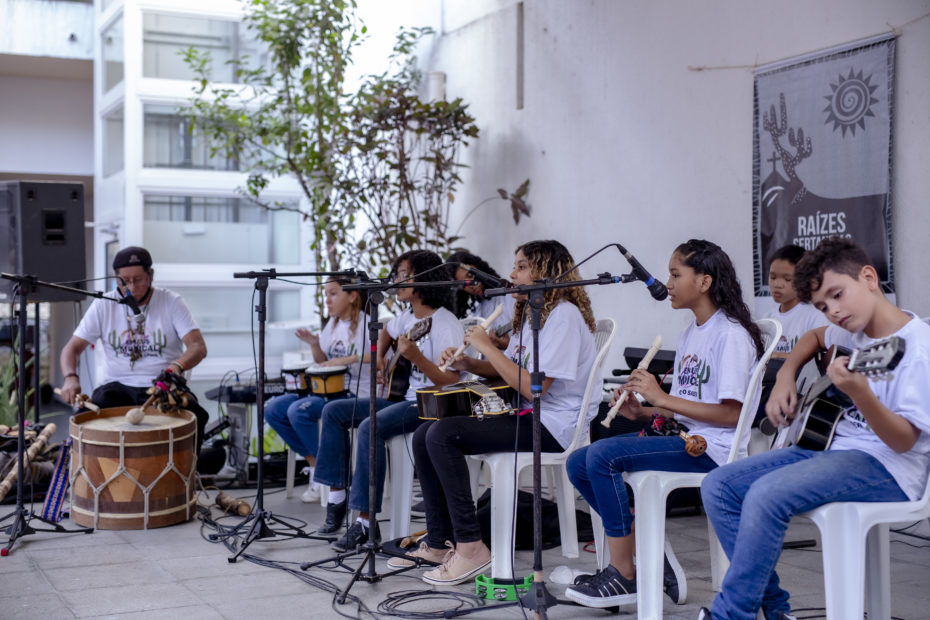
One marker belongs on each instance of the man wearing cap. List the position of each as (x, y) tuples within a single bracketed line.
[(137, 346)]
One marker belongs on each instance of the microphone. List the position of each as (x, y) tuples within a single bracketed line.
[(656, 288), (128, 300), (485, 278)]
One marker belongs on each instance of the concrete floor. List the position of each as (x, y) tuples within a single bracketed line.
[(177, 572)]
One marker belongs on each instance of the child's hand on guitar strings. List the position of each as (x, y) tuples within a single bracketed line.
[(847, 381)]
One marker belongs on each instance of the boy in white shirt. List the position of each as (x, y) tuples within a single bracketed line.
[(881, 447)]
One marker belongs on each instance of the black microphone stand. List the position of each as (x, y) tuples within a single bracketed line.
[(22, 518), (538, 598), (258, 519), (375, 292)]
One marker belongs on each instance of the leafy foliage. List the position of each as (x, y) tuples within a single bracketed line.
[(379, 167)]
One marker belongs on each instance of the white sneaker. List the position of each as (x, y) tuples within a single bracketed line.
[(312, 494)]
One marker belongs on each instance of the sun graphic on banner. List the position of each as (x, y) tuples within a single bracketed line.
[(850, 102)]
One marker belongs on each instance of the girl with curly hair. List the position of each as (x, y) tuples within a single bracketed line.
[(566, 355), (714, 358)]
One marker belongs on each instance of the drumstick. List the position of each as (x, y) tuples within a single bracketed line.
[(135, 415), (82, 400), (485, 324), (644, 364)]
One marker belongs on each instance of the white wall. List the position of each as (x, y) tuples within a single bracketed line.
[(624, 143), (46, 126)]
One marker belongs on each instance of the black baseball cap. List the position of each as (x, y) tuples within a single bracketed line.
[(132, 256)]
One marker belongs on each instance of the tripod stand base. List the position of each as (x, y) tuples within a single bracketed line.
[(260, 528), (21, 526), (502, 589)]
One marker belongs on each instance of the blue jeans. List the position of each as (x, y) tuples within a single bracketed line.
[(337, 419), (751, 501), (597, 472), (296, 420), (395, 419)]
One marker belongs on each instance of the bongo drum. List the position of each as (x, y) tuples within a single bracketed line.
[(327, 380), (295, 380), (131, 477)]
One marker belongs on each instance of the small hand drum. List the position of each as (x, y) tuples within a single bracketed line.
[(296, 380), (327, 380)]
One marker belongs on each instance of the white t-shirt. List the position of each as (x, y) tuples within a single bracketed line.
[(159, 341), (485, 307), (713, 362), (445, 332), (337, 340), (907, 394), (795, 323), (566, 355)]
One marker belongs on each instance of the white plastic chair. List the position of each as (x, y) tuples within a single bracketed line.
[(856, 553), (651, 490), (503, 477)]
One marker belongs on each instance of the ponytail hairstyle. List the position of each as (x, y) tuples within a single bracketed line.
[(361, 298), (464, 301), (707, 258), (549, 259)]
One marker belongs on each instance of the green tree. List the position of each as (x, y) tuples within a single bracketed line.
[(289, 117)]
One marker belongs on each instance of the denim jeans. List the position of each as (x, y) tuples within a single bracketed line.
[(392, 420), (597, 472), (337, 419), (751, 501), (296, 419)]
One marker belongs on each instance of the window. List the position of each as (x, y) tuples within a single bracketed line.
[(113, 54), (113, 143), (167, 37), (206, 229), (230, 309), (169, 143)]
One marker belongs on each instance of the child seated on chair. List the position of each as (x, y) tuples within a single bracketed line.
[(566, 356), (713, 362), (796, 317), (880, 451)]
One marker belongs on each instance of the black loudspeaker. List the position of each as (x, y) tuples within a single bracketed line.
[(46, 238)]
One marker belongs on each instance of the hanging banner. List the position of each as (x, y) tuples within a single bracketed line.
[(822, 153)]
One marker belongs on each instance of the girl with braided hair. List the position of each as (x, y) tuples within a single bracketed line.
[(713, 362), (566, 355)]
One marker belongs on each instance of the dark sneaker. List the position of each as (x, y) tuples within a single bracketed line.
[(704, 614), (335, 515), (673, 580), (607, 588), (580, 579), (355, 536)]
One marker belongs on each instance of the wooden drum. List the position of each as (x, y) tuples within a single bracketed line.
[(132, 477)]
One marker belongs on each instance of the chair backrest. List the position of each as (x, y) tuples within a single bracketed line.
[(604, 332), (771, 334)]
